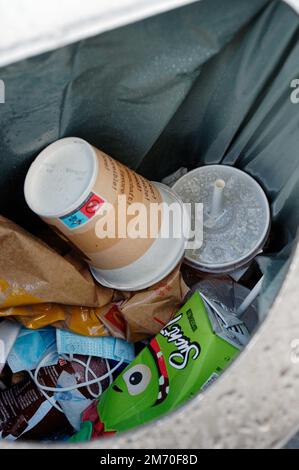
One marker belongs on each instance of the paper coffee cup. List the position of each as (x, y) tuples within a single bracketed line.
[(92, 200)]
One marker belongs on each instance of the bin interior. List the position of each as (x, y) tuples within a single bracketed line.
[(206, 83)]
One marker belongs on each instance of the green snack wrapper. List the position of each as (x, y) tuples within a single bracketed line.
[(189, 353)]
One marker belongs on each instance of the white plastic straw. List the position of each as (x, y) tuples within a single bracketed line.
[(218, 199), (250, 297)]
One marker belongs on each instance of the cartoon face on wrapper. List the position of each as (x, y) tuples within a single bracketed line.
[(185, 356), (143, 386)]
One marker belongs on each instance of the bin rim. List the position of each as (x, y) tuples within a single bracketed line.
[(38, 27)]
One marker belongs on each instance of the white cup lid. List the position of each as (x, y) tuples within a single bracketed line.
[(236, 216), (61, 177)]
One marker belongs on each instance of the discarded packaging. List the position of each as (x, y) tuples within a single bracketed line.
[(146, 312), (27, 411), (32, 292), (236, 217), (9, 331), (29, 273), (83, 383), (230, 296), (184, 358), (131, 316), (76, 189)]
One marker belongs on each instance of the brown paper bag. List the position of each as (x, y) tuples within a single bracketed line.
[(31, 272), (131, 316), (40, 287), (146, 312)]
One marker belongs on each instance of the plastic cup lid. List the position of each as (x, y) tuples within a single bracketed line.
[(236, 216)]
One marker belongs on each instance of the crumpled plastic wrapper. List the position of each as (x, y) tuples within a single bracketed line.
[(39, 287)]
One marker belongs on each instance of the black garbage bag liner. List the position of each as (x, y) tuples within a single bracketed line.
[(206, 83)]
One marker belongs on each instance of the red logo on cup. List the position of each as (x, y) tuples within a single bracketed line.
[(92, 205)]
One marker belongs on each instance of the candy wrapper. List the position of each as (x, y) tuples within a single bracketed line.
[(41, 287), (26, 412), (185, 357)]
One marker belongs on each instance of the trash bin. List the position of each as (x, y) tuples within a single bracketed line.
[(210, 82)]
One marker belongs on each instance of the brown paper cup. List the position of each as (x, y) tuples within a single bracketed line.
[(91, 199)]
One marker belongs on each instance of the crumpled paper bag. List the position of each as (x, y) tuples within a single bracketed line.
[(40, 287)]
